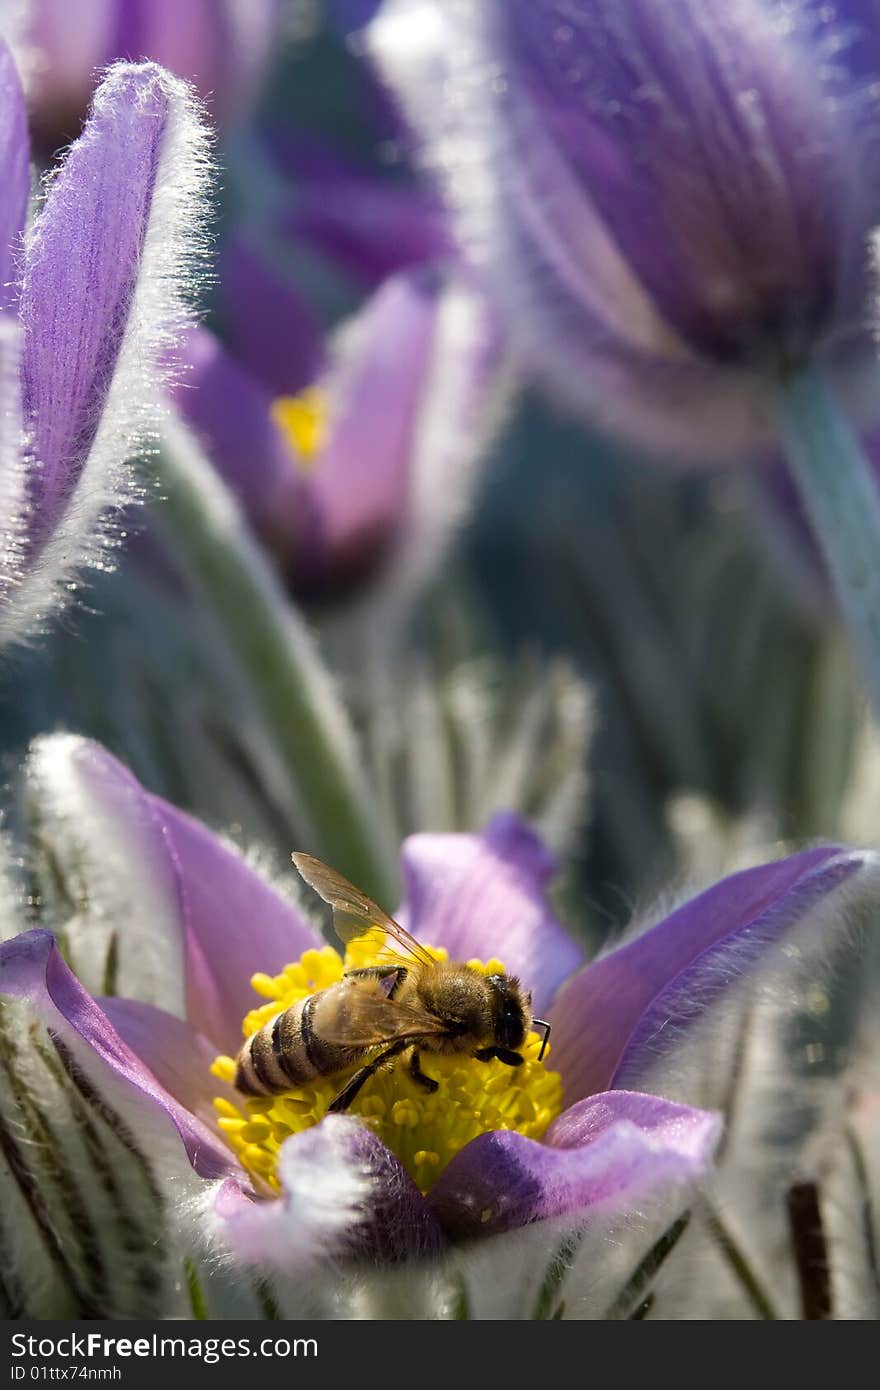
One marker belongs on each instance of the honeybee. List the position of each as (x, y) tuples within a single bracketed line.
[(409, 1002)]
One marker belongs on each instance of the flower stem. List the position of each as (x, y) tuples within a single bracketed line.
[(196, 1293), (634, 1293), (291, 687), (842, 501), (741, 1268)]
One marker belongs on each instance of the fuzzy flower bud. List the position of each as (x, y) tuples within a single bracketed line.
[(673, 201)]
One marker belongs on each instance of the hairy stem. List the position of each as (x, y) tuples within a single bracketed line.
[(292, 691)]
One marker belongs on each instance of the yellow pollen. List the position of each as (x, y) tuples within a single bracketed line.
[(303, 421), (424, 1130)]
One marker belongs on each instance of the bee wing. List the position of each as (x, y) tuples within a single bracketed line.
[(354, 914), (366, 1018)]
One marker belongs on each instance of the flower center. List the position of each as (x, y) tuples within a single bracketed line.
[(424, 1129), (302, 420)]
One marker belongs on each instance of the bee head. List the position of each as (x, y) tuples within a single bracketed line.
[(511, 1011)]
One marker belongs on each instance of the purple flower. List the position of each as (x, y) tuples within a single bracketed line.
[(220, 46), (93, 293), (671, 200), (189, 922), (375, 458)]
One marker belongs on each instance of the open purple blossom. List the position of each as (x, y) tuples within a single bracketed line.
[(672, 201), (374, 454), (220, 46), (191, 922), (95, 291)]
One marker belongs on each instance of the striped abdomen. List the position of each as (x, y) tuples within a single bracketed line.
[(285, 1053)]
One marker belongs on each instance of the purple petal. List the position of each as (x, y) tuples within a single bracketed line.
[(31, 968), (219, 45), (15, 178), (231, 412), (616, 1149), (622, 1010), (485, 895), (178, 1056), (231, 922), (187, 39), (612, 179), (81, 271), (360, 484), (70, 44), (709, 128), (275, 332), (344, 1196)]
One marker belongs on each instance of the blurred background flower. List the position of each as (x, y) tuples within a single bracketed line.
[(612, 167), (223, 48), (378, 453)]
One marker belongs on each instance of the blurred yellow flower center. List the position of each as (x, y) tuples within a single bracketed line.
[(424, 1130), (302, 420)]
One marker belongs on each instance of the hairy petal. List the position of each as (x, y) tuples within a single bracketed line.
[(630, 1005), (193, 919), (14, 174), (32, 968), (13, 476), (107, 278), (485, 895), (176, 1053), (616, 1148), (344, 1196), (609, 165), (119, 892), (709, 127)]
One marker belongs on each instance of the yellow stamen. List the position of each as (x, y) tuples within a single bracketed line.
[(303, 421), (424, 1130)]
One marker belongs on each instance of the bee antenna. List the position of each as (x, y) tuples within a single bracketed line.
[(541, 1023)]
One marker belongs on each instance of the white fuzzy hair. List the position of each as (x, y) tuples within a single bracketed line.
[(170, 276), (109, 860)]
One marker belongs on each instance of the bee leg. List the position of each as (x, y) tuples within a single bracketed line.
[(352, 1087), (415, 1071), (395, 973), (509, 1058), (503, 1054)]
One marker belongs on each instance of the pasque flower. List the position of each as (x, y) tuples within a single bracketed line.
[(375, 452), (192, 929), (674, 202), (93, 293), (670, 199), (220, 46)]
